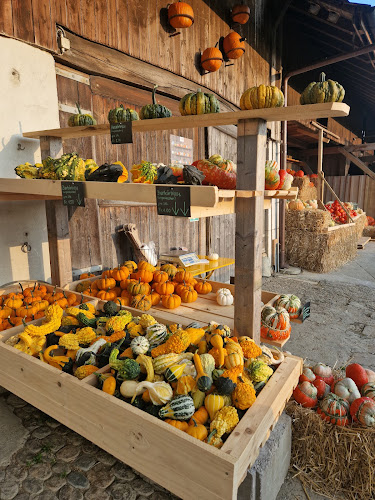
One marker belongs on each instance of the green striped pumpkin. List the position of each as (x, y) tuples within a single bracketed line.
[(275, 317), (179, 408), (156, 334), (368, 390), (291, 303)]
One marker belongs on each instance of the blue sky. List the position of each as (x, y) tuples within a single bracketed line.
[(367, 2)]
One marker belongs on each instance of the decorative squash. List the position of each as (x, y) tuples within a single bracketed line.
[(197, 431), (189, 296), (323, 372), (213, 403), (120, 115), (131, 265), (154, 110), (174, 372), (334, 409), (185, 385), (243, 395), (170, 269), (165, 288), (171, 301), (200, 416), (263, 96), (211, 59), (180, 15), (291, 303), (322, 91), (296, 205), (272, 178), (179, 408), (357, 373), (136, 287), (307, 375), (346, 388), (142, 302), (224, 297), (156, 334), (199, 103), (80, 119), (224, 385), (204, 382), (240, 14), (306, 394), (233, 359), (203, 287), (275, 317), (234, 45), (322, 388), (362, 410), (368, 390), (139, 345)]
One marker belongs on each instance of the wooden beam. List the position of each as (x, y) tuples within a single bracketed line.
[(367, 146), (358, 162), (100, 60), (251, 156), (320, 165), (367, 159), (327, 151), (57, 224)]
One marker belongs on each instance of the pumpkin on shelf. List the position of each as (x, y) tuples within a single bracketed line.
[(211, 59), (234, 45), (296, 205), (180, 15), (224, 297), (271, 175), (80, 119), (322, 91), (240, 14), (170, 269), (165, 288), (142, 302), (120, 115), (291, 303), (182, 276), (203, 287), (154, 110), (306, 394), (199, 103), (171, 301), (188, 296), (264, 96)]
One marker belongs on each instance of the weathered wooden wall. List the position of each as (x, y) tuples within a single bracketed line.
[(137, 28), (353, 188)]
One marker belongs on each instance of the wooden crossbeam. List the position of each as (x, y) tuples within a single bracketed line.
[(354, 159)]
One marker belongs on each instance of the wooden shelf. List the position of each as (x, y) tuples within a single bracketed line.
[(281, 194), (307, 112)]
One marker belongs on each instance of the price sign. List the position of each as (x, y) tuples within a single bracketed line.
[(305, 313), (121, 133), (73, 194), (173, 201)]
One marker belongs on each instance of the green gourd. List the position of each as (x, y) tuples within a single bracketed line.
[(224, 385), (174, 372), (154, 110), (161, 363), (199, 103), (322, 91), (80, 119), (120, 114), (198, 398), (156, 334), (204, 382), (179, 408)]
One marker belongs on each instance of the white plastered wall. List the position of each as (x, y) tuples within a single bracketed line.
[(28, 102)]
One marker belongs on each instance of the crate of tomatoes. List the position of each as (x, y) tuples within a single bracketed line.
[(338, 214)]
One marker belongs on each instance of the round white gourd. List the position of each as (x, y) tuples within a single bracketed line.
[(224, 298), (140, 345), (213, 256)]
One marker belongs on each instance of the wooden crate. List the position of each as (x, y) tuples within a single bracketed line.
[(171, 458)]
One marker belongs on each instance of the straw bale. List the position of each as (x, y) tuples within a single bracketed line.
[(369, 231), (360, 224), (295, 218), (320, 252), (317, 220), (338, 462), (305, 191)]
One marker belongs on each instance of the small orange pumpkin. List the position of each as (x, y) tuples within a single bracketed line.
[(106, 283), (241, 14), (211, 59), (120, 274), (155, 298), (139, 287), (182, 276), (178, 424), (146, 266), (234, 45), (144, 275), (160, 277), (164, 288), (106, 294), (141, 302), (203, 287), (171, 301), (180, 15), (189, 296)]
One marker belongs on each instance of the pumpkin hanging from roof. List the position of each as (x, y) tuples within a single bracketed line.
[(120, 114), (322, 91), (211, 59), (180, 15), (80, 119), (264, 96), (240, 14), (199, 103), (234, 45), (154, 110)]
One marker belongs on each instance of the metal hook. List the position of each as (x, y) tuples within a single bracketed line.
[(26, 247), (20, 148)]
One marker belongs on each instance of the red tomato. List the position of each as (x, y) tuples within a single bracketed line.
[(300, 173)]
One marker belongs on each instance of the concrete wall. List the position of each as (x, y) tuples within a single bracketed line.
[(29, 102)]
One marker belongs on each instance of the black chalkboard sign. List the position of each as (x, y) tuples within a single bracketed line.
[(305, 313), (121, 133), (173, 200), (73, 194)]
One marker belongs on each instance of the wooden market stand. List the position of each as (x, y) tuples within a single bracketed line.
[(180, 463)]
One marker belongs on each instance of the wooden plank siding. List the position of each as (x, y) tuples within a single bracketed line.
[(354, 188)]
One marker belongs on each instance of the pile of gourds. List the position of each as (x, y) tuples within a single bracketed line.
[(31, 303), (339, 400), (142, 286)]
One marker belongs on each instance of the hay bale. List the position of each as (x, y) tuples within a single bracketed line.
[(317, 220), (331, 460), (320, 252), (369, 231), (360, 222), (305, 191), (294, 219)]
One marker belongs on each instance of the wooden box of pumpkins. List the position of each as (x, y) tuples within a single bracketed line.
[(186, 466)]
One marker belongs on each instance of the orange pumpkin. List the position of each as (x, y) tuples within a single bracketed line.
[(124, 284), (106, 294), (234, 45), (86, 275), (211, 59), (180, 15), (146, 266), (164, 288), (106, 283), (144, 275), (15, 302), (26, 310), (120, 274), (296, 205), (122, 301), (155, 298), (126, 294), (171, 301), (5, 312), (107, 273), (160, 277), (189, 296), (138, 287), (240, 14), (142, 302), (182, 276), (203, 287), (180, 287)]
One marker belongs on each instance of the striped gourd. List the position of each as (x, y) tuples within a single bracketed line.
[(161, 363), (368, 390), (180, 408), (275, 317), (291, 303), (174, 372), (156, 334)]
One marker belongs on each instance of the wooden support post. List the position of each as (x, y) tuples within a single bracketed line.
[(320, 165), (57, 224), (251, 158)]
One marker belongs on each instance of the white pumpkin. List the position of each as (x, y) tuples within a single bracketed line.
[(347, 389), (224, 297), (213, 256), (139, 345)]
